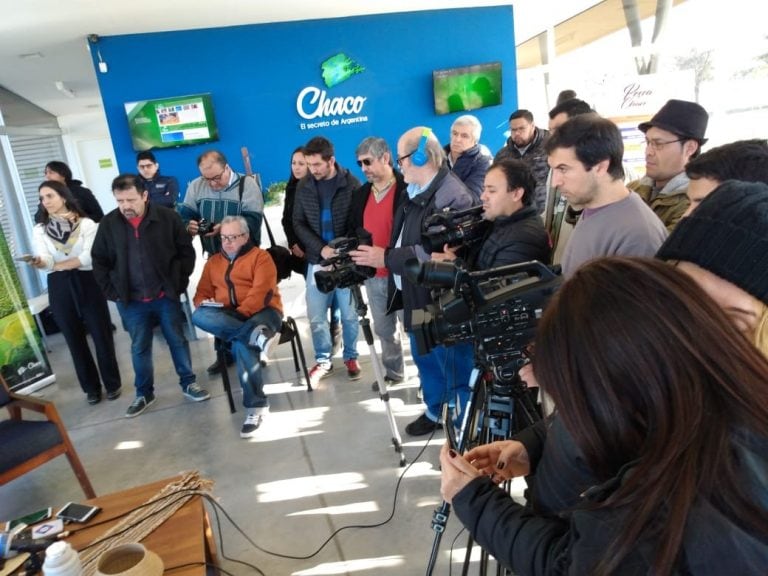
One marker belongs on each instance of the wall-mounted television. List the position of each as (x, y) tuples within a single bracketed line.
[(467, 88), (171, 122)]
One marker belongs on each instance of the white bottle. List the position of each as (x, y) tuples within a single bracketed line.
[(62, 560)]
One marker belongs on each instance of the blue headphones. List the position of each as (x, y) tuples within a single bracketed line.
[(419, 157)]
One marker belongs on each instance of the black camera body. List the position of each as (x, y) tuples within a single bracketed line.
[(343, 272), (453, 227), (498, 309), (204, 227)]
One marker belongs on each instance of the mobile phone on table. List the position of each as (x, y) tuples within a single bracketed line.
[(29, 519), (73, 512)]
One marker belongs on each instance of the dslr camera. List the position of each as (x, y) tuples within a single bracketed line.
[(454, 227), (343, 272), (498, 309), (204, 227)]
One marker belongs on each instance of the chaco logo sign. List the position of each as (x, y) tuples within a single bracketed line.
[(319, 109)]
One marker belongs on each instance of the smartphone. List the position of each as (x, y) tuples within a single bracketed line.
[(450, 431), (24, 258), (29, 519), (72, 512)]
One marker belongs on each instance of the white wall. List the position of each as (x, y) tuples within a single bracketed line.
[(90, 153)]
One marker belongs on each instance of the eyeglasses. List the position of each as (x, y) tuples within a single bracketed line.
[(231, 237), (215, 178), (365, 162), (401, 158), (658, 145)]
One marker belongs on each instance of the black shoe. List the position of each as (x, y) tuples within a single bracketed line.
[(139, 405), (388, 381), (114, 394), (215, 368), (93, 397), (422, 426)]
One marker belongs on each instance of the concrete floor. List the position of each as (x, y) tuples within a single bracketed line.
[(321, 461)]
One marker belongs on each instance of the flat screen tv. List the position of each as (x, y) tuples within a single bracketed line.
[(171, 122), (467, 88)]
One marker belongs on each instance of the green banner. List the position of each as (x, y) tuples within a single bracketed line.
[(23, 361)]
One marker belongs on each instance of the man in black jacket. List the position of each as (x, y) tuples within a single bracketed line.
[(142, 259), (373, 208), (468, 159), (444, 371), (321, 214)]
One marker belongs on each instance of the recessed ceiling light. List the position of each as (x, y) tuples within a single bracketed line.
[(31, 56)]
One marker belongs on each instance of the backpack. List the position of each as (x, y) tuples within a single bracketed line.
[(281, 256)]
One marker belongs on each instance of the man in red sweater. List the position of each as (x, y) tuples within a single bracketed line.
[(237, 300)]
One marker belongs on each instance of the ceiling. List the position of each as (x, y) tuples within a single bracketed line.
[(43, 42)]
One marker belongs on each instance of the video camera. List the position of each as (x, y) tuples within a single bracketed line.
[(343, 271), (498, 309), (454, 227)]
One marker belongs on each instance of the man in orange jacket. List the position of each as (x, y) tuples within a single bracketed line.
[(237, 301)]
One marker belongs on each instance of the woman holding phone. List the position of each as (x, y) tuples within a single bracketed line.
[(63, 241)]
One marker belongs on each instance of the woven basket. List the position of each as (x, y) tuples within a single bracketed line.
[(129, 560)]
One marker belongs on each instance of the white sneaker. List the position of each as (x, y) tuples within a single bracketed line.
[(251, 425)]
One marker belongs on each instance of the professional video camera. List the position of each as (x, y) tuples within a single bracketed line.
[(498, 309), (454, 227), (343, 272)]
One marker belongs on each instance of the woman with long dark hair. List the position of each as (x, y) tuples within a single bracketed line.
[(58, 171), (63, 241), (667, 403)]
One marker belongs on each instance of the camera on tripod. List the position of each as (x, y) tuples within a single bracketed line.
[(498, 309), (343, 272), (453, 227), (204, 227)]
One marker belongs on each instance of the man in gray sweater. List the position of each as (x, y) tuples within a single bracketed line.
[(585, 155)]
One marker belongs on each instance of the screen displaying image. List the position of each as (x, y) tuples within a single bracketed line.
[(467, 88), (171, 122)]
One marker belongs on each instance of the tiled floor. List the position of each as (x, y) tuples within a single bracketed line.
[(321, 461)]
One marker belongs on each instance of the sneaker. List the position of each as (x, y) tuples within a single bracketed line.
[(194, 392), (93, 397), (318, 372), (251, 424), (353, 369), (114, 394), (336, 338), (139, 405), (422, 426)]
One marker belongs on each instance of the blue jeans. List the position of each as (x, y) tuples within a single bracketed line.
[(444, 373), (139, 319), (237, 332), (317, 310)]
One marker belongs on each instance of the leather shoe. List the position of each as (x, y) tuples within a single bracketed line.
[(114, 394), (215, 368), (93, 397), (422, 426)]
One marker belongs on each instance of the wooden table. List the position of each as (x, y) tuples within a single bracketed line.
[(186, 537)]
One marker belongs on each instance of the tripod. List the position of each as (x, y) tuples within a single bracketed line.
[(494, 412), (362, 311)]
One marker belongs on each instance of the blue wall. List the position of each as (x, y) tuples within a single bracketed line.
[(256, 72)]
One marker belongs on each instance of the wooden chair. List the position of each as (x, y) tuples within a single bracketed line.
[(27, 444)]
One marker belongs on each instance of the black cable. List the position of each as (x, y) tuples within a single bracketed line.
[(450, 551), (206, 564)]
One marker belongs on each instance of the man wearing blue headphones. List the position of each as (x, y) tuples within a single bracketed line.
[(444, 372)]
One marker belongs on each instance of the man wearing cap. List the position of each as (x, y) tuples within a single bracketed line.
[(723, 246), (673, 136)]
